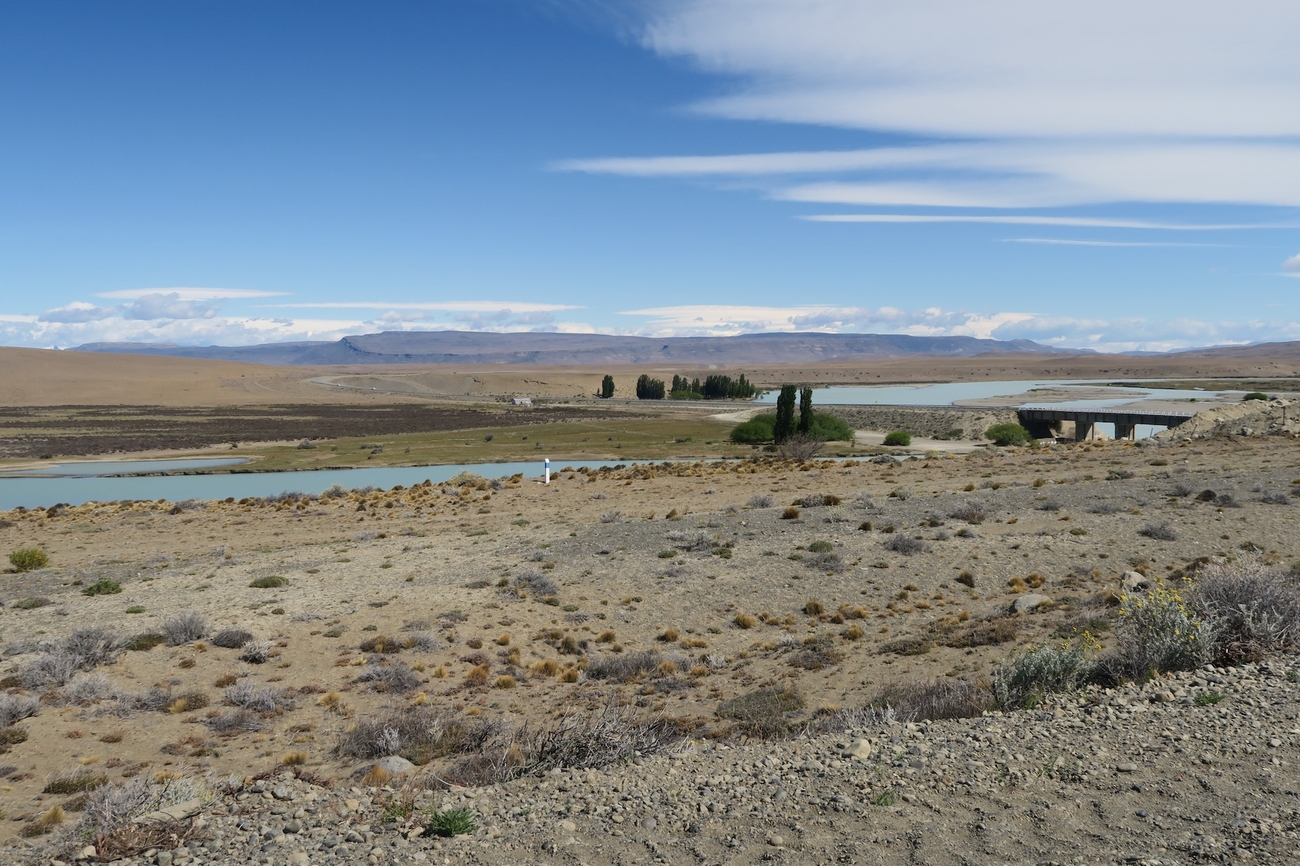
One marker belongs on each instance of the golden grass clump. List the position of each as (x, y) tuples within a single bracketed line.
[(376, 778), (43, 824), (745, 620), (478, 675), (814, 607), (504, 640), (293, 759), (606, 636), (1035, 579), (790, 513), (544, 668), (694, 643), (331, 701), (505, 681), (112, 737), (700, 671), (438, 673), (667, 669), (1017, 584), (853, 632), (669, 635), (569, 675)]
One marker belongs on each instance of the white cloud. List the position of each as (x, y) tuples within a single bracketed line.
[(1100, 334), (189, 294), (1035, 220), (728, 319), (1010, 173), (442, 306), (1292, 265), (1033, 104), (147, 307), (1020, 68), (1074, 243)]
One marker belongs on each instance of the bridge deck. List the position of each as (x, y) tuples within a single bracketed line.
[(1117, 415)]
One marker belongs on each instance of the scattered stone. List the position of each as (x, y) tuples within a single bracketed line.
[(1030, 602), (394, 765)]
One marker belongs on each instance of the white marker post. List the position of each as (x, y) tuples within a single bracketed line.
[(548, 470)]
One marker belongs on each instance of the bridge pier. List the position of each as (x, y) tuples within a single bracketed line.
[(1080, 424)]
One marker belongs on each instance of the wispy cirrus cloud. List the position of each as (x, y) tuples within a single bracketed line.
[(1011, 68), (1038, 220), (1012, 104), (1066, 242)]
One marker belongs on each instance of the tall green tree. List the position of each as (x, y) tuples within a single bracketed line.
[(805, 411), (785, 425), (649, 389), (607, 386)]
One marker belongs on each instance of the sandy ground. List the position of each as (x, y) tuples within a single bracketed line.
[(668, 560)]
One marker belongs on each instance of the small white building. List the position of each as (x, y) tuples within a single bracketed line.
[(522, 401)]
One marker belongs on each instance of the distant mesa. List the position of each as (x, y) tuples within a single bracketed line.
[(465, 347)]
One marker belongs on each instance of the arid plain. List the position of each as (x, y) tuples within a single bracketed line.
[(756, 605)]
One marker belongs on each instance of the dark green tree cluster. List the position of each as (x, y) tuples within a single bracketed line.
[(786, 424), (716, 387), (760, 429), (649, 389), (607, 387)]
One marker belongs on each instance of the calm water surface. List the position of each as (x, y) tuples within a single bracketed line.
[(46, 491)]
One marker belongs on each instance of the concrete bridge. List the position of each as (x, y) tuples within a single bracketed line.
[(1042, 421)]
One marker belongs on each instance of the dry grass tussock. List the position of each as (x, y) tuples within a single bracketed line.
[(82, 650), (492, 751), (922, 701), (1252, 609)]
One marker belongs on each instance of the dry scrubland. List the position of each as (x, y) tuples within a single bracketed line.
[(766, 635)]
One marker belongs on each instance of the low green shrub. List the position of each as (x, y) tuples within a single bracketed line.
[(269, 582), (761, 428), (146, 641), (103, 586), (452, 822), (1158, 632), (1007, 434), (1255, 395), (898, 437), (1030, 676), (29, 559)]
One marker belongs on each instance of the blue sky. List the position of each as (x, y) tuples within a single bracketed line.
[(1099, 175)]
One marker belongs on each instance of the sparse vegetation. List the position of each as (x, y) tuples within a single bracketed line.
[(767, 712), (898, 438), (1007, 434), (29, 559), (231, 638), (923, 701), (269, 582), (185, 628), (103, 586), (456, 822), (1158, 532)]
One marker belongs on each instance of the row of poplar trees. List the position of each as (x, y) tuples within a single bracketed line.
[(712, 388), (787, 426)]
